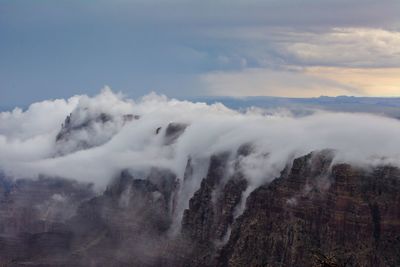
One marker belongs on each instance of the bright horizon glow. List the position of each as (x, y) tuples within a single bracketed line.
[(376, 82)]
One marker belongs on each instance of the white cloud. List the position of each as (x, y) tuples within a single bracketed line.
[(357, 47), (27, 152), (40, 118), (268, 46), (301, 62)]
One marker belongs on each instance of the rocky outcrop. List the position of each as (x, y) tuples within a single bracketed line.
[(173, 131), (206, 223), (317, 216), (316, 213), (83, 130), (125, 226)]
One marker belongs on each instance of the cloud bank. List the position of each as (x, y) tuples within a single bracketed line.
[(29, 145)]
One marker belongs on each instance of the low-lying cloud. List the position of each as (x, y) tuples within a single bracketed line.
[(131, 135)]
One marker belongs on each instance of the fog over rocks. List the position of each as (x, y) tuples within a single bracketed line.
[(91, 139), (107, 180)]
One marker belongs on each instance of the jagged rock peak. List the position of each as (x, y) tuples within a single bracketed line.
[(83, 130)]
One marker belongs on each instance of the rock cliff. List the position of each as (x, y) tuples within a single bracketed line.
[(316, 213)]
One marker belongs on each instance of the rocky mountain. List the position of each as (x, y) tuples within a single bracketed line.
[(84, 129), (189, 184), (316, 213)]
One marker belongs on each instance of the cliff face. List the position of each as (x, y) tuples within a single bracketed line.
[(127, 224), (315, 214), (206, 222)]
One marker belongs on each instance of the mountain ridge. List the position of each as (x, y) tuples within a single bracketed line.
[(310, 197)]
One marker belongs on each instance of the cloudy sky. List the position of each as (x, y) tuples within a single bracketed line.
[(53, 49)]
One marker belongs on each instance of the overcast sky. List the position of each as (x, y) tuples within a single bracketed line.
[(53, 49)]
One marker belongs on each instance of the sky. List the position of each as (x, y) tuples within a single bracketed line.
[(56, 49)]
